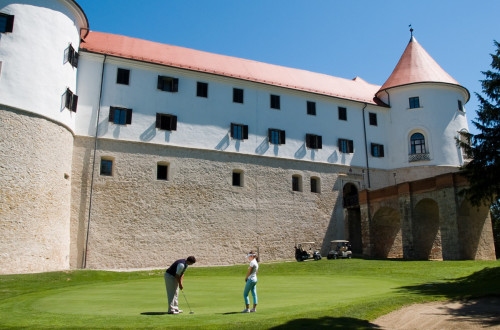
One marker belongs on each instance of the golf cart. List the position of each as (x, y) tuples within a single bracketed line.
[(302, 254), (339, 248)]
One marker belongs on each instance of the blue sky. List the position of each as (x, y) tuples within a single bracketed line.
[(346, 39)]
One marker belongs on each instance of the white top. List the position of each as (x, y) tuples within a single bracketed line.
[(255, 267), (180, 269)]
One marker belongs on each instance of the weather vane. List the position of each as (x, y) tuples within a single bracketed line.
[(411, 30)]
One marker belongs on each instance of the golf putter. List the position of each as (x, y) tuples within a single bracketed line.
[(190, 310)]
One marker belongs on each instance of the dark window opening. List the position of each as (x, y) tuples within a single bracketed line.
[(414, 102), (168, 84), (71, 56), (239, 132), (275, 101), (373, 118), (314, 185), (237, 95), (201, 89), (166, 122), (237, 182), (314, 141), (296, 183), (346, 146), (377, 150), (276, 136), (342, 113), (70, 100), (120, 116), (460, 106), (162, 172), (123, 76), (106, 167), (311, 108), (6, 23)]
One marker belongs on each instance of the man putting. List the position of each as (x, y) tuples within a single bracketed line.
[(173, 281)]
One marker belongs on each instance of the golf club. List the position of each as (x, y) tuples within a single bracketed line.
[(190, 310)]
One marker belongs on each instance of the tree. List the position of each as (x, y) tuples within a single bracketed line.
[(483, 170)]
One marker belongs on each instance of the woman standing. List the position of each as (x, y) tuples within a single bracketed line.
[(251, 283)]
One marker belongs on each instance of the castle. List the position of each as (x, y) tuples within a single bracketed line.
[(124, 153)]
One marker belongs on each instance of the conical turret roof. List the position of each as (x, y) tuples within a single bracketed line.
[(417, 66)]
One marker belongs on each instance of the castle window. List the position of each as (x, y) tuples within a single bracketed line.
[(311, 108), (168, 84), (71, 56), (239, 132), (122, 76), (162, 171), (237, 95), (238, 178), (106, 167), (460, 106), (6, 23), (120, 116), (275, 102), (315, 185), (417, 143), (342, 113), (276, 136), (70, 100), (377, 150), (373, 118), (314, 141), (201, 89), (296, 182), (414, 102), (166, 122), (346, 146)]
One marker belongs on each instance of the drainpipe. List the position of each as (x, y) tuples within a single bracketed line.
[(366, 147), (84, 261)]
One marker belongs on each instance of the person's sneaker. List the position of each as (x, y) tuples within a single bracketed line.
[(173, 312), (179, 310), (246, 310), (252, 310)]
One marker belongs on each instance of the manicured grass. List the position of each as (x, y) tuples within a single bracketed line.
[(328, 293)]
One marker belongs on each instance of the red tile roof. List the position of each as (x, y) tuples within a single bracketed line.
[(417, 66), (185, 58)]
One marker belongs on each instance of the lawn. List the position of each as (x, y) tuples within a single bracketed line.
[(327, 293)]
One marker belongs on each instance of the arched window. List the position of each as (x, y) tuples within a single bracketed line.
[(417, 141)]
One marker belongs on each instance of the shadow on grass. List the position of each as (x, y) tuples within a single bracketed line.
[(154, 313), (327, 322)]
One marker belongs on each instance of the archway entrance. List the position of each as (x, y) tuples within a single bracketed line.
[(386, 234), (427, 235), (352, 216)]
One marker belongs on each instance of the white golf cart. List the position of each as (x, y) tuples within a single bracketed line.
[(339, 248), (302, 254)]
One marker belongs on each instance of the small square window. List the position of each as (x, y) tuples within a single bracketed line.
[(346, 146), (168, 84), (377, 150), (6, 23), (166, 122), (276, 136), (201, 89), (120, 116), (237, 95), (162, 172), (106, 167), (70, 100), (239, 132), (460, 106), (414, 102), (342, 113), (275, 101), (314, 141), (237, 179), (123, 76), (71, 56), (373, 118), (311, 108)]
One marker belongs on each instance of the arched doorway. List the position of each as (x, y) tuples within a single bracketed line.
[(426, 230), (386, 234), (352, 216)]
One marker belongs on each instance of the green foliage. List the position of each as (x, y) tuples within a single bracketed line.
[(328, 293), (483, 171)]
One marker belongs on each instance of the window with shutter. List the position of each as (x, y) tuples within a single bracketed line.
[(166, 122), (6, 23), (346, 146), (239, 132), (276, 136), (120, 116), (314, 141), (377, 150), (70, 100), (168, 84)]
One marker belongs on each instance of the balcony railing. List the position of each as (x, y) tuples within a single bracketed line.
[(418, 157)]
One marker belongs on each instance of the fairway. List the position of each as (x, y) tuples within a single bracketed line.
[(287, 292)]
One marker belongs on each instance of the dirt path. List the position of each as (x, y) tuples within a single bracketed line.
[(469, 314)]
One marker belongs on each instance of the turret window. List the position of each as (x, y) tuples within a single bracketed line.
[(460, 106), (417, 141), (414, 102), (70, 100), (6, 23)]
